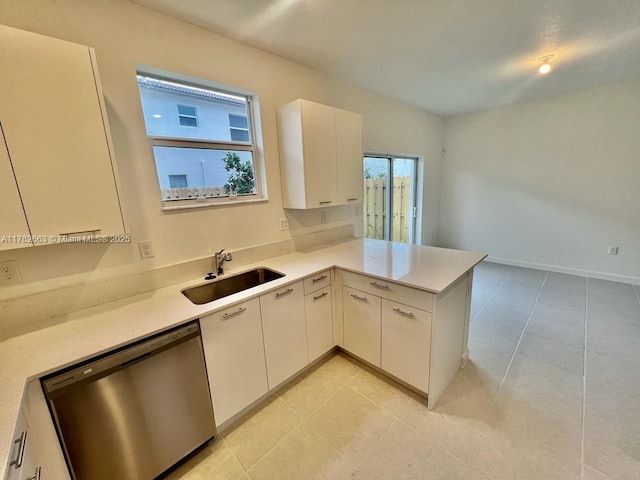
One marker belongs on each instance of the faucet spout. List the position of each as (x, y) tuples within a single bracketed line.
[(220, 259)]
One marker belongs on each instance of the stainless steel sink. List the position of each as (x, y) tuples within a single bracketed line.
[(225, 286)]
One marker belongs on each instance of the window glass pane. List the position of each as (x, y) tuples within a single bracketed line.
[(178, 181), (211, 173), (238, 121), (376, 197), (188, 121), (403, 186), (185, 110), (207, 111), (238, 135)]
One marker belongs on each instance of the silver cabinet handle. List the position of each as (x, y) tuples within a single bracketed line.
[(379, 285), (35, 476), (286, 292), (22, 443), (84, 233), (233, 314), (352, 199), (318, 279), (326, 202), (321, 295), (402, 312), (361, 299)]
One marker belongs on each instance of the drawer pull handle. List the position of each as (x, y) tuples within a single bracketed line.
[(35, 476), (352, 199), (81, 233), (319, 279), (361, 299), (22, 443), (326, 202), (286, 292), (321, 295), (402, 312), (379, 285), (233, 314)]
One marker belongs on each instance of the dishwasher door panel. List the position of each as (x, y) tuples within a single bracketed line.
[(138, 421)]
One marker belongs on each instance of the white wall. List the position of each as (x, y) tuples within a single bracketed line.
[(548, 183), (123, 35)]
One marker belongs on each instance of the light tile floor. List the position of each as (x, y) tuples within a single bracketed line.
[(532, 402)]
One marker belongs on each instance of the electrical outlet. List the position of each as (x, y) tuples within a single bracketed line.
[(612, 250), (323, 217), (9, 272), (146, 250), (284, 224)]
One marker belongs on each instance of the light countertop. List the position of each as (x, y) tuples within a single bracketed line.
[(80, 335)]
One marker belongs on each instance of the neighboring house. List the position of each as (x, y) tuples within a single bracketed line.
[(176, 111)]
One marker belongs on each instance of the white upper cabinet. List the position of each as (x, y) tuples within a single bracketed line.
[(12, 218), (320, 154), (349, 157), (56, 136)]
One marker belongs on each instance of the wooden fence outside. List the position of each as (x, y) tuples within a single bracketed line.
[(375, 208)]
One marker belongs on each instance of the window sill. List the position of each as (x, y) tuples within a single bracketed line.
[(169, 206)]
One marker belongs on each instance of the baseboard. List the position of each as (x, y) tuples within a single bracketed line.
[(568, 270)]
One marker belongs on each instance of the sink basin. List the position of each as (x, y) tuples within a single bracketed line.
[(222, 287)]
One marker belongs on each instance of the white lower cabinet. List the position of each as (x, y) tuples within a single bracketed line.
[(318, 309), (285, 332), (234, 352), (36, 452), (362, 324), (17, 467), (406, 343)]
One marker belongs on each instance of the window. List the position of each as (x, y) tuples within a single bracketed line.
[(187, 116), (215, 155), (178, 181), (239, 128), (390, 189)]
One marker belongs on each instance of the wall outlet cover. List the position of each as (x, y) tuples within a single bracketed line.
[(284, 224), (146, 249)]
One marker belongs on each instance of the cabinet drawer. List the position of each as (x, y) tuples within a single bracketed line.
[(317, 281), (362, 324), (389, 290)]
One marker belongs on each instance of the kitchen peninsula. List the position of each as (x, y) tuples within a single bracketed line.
[(412, 281)]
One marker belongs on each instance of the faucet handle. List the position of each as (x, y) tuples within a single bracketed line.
[(220, 252)]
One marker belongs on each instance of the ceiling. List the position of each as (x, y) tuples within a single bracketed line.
[(445, 56)]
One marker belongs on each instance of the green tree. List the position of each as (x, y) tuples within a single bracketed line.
[(240, 174)]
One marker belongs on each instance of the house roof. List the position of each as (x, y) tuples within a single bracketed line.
[(166, 85)]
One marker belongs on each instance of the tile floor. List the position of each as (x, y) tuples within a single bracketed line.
[(551, 391)]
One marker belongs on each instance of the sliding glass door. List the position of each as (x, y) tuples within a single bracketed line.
[(390, 208)]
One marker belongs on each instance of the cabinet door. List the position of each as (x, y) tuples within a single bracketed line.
[(406, 343), (318, 308), (349, 157), (44, 448), (52, 118), (285, 332), (234, 353), (362, 324), (12, 216), (319, 144), (18, 450)]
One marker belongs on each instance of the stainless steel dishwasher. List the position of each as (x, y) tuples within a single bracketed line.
[(134, 412)]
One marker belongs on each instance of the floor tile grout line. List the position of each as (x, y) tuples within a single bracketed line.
[(584, 379), (551, 364), (302, 421), (539, 335), (492, 295), (515, 350), (635, 290)]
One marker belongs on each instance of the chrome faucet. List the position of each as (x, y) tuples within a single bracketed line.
[(220, 259)]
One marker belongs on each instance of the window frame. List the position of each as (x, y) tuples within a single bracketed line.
[(417, 208), (184, 115), (253, 145)]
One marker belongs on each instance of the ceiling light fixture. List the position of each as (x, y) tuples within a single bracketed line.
[(545, 67)]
